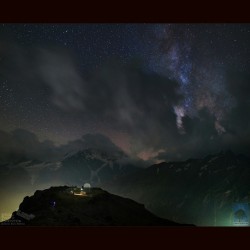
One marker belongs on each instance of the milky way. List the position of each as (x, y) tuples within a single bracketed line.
[(190, 55), (156, 90)]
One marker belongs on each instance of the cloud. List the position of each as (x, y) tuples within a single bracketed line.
[(21, 144), (131, 100), (47, 69), (115, 96), (91, 141), (237, 123), (58, 72), (121, 97), (126, 99), (202, 137)]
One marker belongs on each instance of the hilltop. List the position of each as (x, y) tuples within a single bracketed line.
[(57, 206)]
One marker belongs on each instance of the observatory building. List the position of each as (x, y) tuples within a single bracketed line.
[(86, 186)]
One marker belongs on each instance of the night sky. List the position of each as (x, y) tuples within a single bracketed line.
[(157, 91)]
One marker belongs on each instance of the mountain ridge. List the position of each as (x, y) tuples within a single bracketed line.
[(193, 190)]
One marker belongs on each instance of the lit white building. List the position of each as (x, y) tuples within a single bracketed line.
[(86, 185)]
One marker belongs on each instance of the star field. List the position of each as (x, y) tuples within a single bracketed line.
[(197, 56), (61, 81)]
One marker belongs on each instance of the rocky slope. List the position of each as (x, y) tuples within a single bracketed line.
[(199, 191), (56, 206)]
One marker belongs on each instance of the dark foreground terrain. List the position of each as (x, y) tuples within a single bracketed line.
[(57, 206)]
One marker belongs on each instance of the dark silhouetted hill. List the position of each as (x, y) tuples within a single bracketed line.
[(56, 206)]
